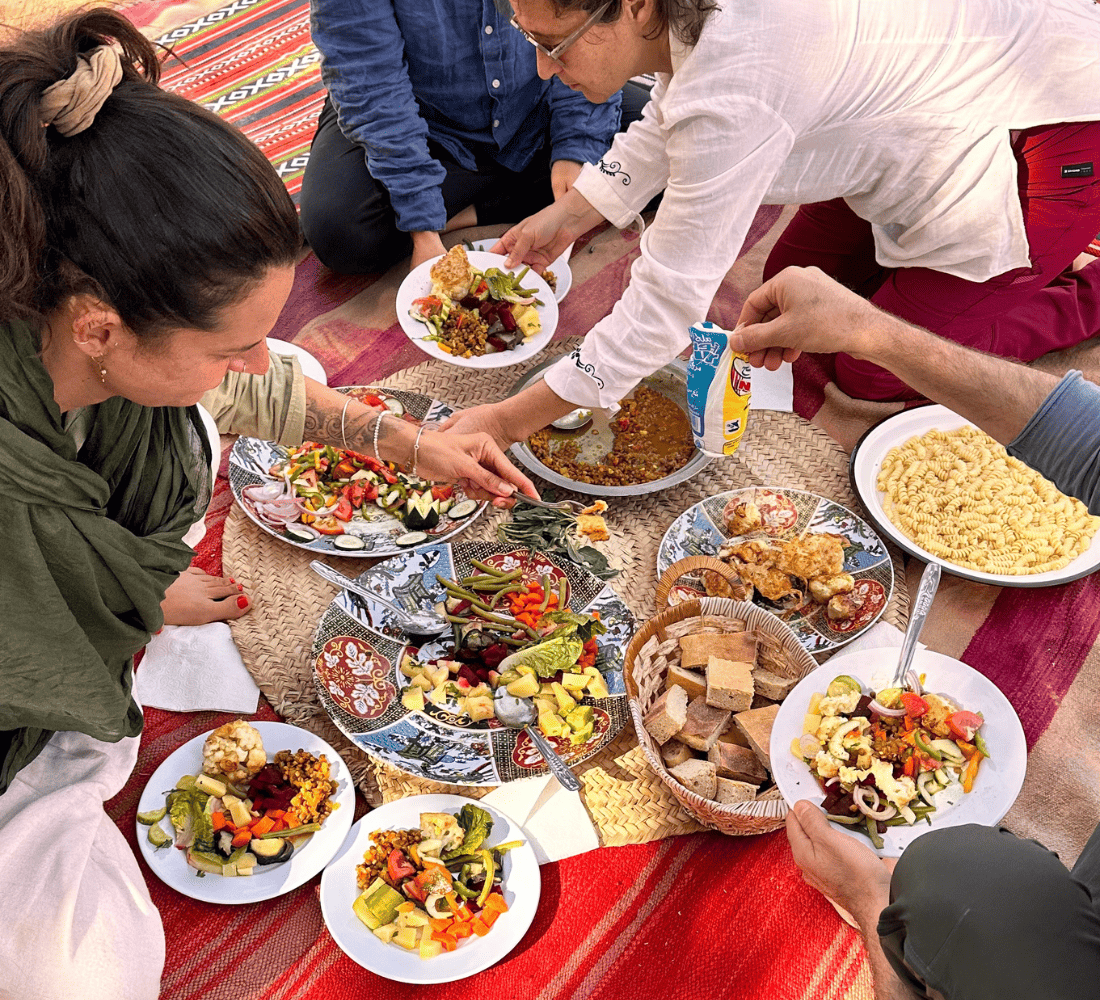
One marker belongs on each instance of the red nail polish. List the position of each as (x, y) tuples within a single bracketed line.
[(240, 587), (231, 580), (242, 602)]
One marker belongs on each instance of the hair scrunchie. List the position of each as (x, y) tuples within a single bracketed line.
[(70, 105)]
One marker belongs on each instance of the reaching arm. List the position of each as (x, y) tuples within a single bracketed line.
[(802, 309)]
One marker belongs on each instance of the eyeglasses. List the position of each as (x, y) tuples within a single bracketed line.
[(559, 50)]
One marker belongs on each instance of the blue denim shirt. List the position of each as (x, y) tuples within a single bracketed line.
[(399, 71)]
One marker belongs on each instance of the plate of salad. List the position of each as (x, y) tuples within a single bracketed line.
[(540, 625), (559, 275), (431, 889), (888, 764), (326, 499), (485, 317), (245, 812)]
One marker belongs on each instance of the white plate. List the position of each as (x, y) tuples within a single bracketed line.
[(419, 283), (866, 463), (560, 267), (169, 865), (522, 886), (311, 367), (999, 778)]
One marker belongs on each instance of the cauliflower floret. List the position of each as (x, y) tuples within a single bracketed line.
[(849, 776), (899, 791), (234, 752), (841, 704), (829, 725), (825, 765)]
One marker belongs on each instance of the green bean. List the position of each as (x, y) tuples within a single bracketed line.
[(872, 832), (454, 590), (501, 593), (487, 567), (545, 592), (562, 584), (844, 820)]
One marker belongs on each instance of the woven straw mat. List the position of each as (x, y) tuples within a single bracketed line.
[(628, 804)]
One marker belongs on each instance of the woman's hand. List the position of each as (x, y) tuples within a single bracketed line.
[(487, 419), (541, 238), (474, 461)]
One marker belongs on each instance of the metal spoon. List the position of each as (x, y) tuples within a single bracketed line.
[(574, 420), (415, 622), (519, 713), (929, 581)]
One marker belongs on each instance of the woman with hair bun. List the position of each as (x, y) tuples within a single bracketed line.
[(147, 248)]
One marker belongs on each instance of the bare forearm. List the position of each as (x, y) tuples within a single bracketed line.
[(887, 986), (328, 422), (996, 394)]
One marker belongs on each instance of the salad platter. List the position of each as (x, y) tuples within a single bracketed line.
[(424, 705), (362, 508), (417, 289), (992, 725), (789, 516), (170, 863), (377, 948)]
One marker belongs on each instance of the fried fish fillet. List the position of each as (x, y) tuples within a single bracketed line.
[(452, 274)]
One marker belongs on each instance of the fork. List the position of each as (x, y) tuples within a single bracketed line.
[(573, 506)]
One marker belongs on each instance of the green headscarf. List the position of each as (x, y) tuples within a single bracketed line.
[(90, 544)]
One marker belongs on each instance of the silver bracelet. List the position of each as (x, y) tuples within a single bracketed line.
[(343, 417), (377, 427), (416, 450)]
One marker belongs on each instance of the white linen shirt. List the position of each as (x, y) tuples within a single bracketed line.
[(901, 107)]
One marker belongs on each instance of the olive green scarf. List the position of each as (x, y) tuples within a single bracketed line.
[(90, 543)]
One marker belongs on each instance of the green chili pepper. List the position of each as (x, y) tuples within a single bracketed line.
[(927, 748), (979, 742), (872, 832), (844, 820)]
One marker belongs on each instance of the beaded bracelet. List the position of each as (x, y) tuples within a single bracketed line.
[(416, 449), (377, 426)]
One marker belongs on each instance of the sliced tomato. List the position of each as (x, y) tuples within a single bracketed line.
[(414, 892), (915, 706), (369, 399), (344, 509), (309, 477), (399, 866), (434, 878), (328, 526), (965, 724), (344, 470), (442, 492)]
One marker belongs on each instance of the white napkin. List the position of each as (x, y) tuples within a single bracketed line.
[(555, 820), (195, 668), (773, 390)]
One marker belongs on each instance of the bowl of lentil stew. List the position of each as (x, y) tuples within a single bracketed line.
[(645, 447)]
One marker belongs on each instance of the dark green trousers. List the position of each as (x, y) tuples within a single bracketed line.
[(978, 914)]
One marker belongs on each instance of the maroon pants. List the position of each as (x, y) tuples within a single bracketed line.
[(1023, 313)]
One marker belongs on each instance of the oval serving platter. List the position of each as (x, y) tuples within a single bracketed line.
[(357, 652), (787, 513), (250, 459)]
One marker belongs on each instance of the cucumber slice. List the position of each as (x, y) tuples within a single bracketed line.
[(412, 538), (153, 816), (349, 542), (421, 512), (395, 406), (464, 508), (299, 534)]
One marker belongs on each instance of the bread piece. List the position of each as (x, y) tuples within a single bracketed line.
[(756, 725), (667, 715), (452, 274), (676, 753), (703, 725), (733, 735), (771, 685), (692, 681), (697, 776), (769, 794), (593, 526), (728, 791), (738, 763), (697, 648), (729, 684)]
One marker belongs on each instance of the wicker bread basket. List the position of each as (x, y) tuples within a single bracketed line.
[(648, 656)]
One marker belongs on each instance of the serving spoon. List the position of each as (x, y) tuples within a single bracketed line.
[(413, 622), (519, 713), (574, 420), (929, 581)]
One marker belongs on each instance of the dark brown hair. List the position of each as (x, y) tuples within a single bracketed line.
[(159, 207), (684, 18)]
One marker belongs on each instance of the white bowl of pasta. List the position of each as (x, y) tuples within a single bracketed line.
[(943, 491)]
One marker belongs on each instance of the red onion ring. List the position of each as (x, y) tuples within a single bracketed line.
[(873, 809), (893, 713), (265, 492)]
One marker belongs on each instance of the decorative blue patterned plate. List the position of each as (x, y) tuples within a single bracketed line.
[(357, 653), (700, 530)]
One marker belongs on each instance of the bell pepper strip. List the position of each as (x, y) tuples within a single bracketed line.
[(490, 872), (923, 746), (970, 771), (979, 742)]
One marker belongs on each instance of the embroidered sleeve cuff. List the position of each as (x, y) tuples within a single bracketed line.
[(600, 185)]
